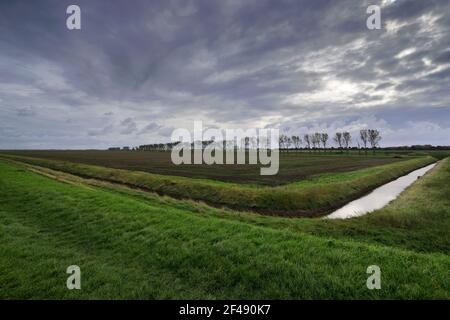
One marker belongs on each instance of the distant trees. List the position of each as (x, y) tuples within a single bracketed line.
[(374, 137), (289, 142), (157, 146), (317, 140), (297, 141), (347, 137), (343, 139), (324, 139), (284, 139), (314, 140), (286, 142), (307, 140), (338, 139), (364, 136)]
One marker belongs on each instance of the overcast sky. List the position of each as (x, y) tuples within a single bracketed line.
[(138, 69)]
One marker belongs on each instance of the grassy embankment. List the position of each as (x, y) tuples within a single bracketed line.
[(132, 244), (310, 197), (418, 220)]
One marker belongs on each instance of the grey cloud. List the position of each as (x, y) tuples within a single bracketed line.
[(101, 132), (406, 10), (440, 75), (151, 127), (383, 86), (224, 62), (157, 129), (26, 112), (444, 57), (166, 131), (128, 126)]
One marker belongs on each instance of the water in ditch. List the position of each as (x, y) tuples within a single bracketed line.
[(379, 197)]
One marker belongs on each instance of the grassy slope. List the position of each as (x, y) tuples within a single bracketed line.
[(160, 248), (311, 197), (418, 220)]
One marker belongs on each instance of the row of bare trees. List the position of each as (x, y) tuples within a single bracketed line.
[(343, 140), (317, 140)]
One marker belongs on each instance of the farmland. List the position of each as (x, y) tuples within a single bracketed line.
[(130, 243), (294, 166)]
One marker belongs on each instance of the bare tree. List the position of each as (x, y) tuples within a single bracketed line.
[(313, 140), (317, 137), (307, 140), (324, 139), (284, 141), (364, 135), (281, 141), (297, 141), (338, 139), (374, 138), (288, 142), (347, 139)]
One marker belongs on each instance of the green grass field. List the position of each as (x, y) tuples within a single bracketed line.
[(314, 196), (134, 244)]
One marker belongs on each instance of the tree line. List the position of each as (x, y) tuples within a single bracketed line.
[(311, 141), (320, 140)]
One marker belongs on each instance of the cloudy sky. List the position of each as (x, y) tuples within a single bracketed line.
[(138, 69)]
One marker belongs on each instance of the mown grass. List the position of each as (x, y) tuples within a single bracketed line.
[(129, 246), (418, 220), (312, 197)]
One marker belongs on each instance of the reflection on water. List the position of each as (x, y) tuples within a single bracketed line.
[(379, 197)]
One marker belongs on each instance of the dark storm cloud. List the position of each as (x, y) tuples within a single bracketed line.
[(138, 69)]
